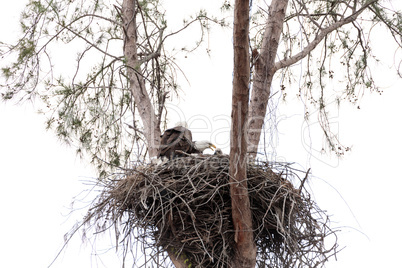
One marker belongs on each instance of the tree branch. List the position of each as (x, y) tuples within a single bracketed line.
[(90, 43), (324, 32)]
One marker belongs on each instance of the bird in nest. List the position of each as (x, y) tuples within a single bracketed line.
[(179, 139)]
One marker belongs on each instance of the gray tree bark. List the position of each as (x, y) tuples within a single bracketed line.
[(264, 72), (142, 100)]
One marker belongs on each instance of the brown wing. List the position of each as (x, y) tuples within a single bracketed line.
[(177, 138), (184, 132)]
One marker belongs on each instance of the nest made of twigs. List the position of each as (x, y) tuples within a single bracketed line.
[(184, 205)]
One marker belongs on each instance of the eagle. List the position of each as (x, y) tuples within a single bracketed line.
[(180, 138)]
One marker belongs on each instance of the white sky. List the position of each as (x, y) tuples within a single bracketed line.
[(40, 176)]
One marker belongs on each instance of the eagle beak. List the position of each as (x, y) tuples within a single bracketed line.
[(212, 146)]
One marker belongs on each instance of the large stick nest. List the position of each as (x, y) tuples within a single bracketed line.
[(184, 206)]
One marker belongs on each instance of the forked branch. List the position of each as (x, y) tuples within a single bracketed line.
[(320, 36)]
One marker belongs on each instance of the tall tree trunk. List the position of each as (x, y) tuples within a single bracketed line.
[(264, 72), (245, 251), (142, 100)]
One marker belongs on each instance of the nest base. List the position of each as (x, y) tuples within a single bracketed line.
[(184, 205)]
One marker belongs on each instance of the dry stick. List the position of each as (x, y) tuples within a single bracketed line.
[(304, 180)]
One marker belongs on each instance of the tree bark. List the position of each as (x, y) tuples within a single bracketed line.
[(264, 72), (142, 100), (245, 251)]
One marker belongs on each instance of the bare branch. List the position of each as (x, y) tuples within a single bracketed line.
[(90, 43), (324, 32)]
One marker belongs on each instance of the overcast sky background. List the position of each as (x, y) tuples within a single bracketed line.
[(40, 176)]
